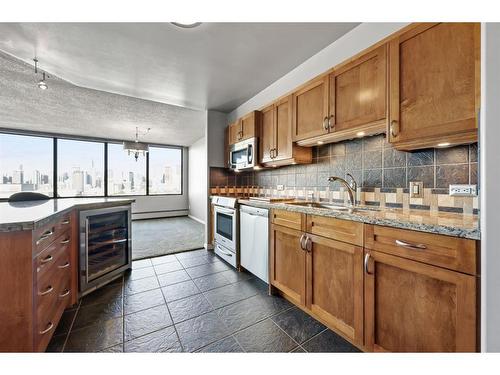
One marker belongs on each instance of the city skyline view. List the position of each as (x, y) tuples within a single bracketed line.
[(26, 164)]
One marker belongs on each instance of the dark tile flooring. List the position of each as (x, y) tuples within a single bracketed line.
[(190, 302)]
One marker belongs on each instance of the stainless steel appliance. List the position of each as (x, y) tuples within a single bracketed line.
[(243, 155), (254, 234), (105, 246), (226, 236)]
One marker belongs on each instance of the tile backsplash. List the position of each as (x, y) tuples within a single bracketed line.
[(376, 166)]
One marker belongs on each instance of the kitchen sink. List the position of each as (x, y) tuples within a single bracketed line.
[(332, 206)]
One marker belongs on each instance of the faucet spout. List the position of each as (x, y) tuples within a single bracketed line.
[(351, 187)]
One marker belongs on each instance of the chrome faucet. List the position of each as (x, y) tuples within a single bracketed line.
[(351, 187)]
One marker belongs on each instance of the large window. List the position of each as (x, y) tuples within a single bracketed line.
[(26, 164), (80, 168), (126, 176), (165, 170)]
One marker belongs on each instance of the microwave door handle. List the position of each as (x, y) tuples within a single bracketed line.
[(250, 154)]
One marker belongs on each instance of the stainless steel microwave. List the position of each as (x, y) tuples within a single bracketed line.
[(243, 155)]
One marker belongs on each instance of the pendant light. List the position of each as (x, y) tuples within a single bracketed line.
[(136, 148), (42, 84)]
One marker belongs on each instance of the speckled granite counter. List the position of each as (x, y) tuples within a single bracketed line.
[(450, 224), (30, 215)]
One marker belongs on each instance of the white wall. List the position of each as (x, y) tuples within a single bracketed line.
[(148, 207), (490, 187), (216, 125), (197, 195), (356, 40)]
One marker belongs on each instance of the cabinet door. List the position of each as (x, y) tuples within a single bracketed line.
[(310, 110), (284, 128), (267, 134), (335, 285), (415, 307), (288, 263), (248, 125), (434, 85), (358, 91), (234, 132)]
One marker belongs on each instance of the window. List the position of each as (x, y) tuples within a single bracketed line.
[(126, 176), (26, 164), (80, 168), (165, 170)]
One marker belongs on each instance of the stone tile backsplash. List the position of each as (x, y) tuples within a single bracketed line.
[(376, 166)]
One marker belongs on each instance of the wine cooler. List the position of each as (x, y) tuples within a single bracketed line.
[(105, 246)]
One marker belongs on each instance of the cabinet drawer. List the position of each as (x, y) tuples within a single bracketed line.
[(54, 256), (293, 220), (444, 251), (336, 229), (44, 236)]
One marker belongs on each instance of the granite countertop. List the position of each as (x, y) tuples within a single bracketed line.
[(29, 215), (449, 224)]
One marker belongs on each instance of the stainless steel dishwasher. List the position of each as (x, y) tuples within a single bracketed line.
[(254, 239)]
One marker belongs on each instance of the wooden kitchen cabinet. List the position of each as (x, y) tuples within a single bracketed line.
[(288, 263), (277, 147), (416, 307), (358, 94), (234, 132), (434, 85), (244, 128), (335, 285)]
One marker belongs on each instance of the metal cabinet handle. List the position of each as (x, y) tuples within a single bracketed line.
[(65, 222), (301, 241), (308, 244), (325, 123), (65, 265), (49, 327), (49, 289), (394, 128), (45, 235), (330, 125), (412, 246), (47, 259), (65, 241), (66, 292), (367, 260)]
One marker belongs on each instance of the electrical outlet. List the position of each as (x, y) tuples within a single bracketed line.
[(416, 189), (463, 190), (281, 187)]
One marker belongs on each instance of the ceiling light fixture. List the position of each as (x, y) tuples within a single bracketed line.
[(135, 147), (186, 25), (42, 84)]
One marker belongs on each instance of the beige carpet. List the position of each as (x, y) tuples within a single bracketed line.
[(154, 237)]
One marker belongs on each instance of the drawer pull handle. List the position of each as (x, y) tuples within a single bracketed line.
[(63, 242), (47, 259), (412, 246), (47, 291), (44, 236), (49, 327), (65, 222), (367, 260), (66, 292), (65, 265)]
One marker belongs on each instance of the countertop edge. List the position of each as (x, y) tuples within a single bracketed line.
[(472, 234)]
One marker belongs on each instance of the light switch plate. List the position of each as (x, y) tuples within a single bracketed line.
[(416, 189), (463, 190), (281, 187)]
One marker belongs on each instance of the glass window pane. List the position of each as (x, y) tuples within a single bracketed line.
[(26, 164), (80, 168), (126, 176), (165, 170)]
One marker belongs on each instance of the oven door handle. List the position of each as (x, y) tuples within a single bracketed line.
[(226, 211)]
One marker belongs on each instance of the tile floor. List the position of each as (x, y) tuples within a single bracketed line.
[(190, 302)]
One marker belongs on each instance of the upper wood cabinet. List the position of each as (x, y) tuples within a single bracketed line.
[(335, 285), (276, 144), (434, 85), (358, 92), (244, 128), (310, 109), (416, 307)]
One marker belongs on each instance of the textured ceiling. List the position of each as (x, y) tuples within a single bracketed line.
[(215, 66), (68, 109)]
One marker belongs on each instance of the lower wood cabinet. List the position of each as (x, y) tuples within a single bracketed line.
[(335, 285), (416, 307), (288, 263)]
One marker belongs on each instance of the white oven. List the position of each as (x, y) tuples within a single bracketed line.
[(226, 226)]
